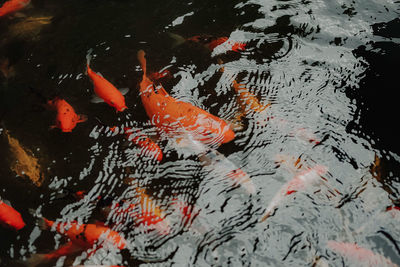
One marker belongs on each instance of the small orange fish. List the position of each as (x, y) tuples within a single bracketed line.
[(66, 117), (86, 235), (212, 42), (12, 6), (361, 256), (146, 212), (106, 91), (247, 100), (10, 218), (149, 147), (171, 115)]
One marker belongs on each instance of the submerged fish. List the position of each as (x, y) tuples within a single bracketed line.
[(170, 114), (298, 183), (210, 42), (66, 119), (12, 6), (217, 164), (23, 163), (86, 235), (64, 250), (144, 212), (149, 147), (10, 218), (29, 28), (360, 256), (106, 91)]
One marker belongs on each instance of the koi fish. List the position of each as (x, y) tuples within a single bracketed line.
[(66, 119), (159, 75), (106, 91), (12, 6), (217, 164), (86, 235), (10, 218), (149, 147), (298, 183), (361, 256), (24, 164), (170, 114), (247, 101), (210, 42), (146, 212)]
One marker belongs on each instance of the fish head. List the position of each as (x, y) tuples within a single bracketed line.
[(66, 124), (118, 104)]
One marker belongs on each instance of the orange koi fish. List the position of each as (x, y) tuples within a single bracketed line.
[(146, 212), (106, 91), (66, 119), (247, 101), (86, 235), (149, 147), (171, 115), (10, 218), (361, 256), (12, 6), (212, 42), (298, 183)]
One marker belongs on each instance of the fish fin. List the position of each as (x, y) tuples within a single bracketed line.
[(142, 60), (89, 56), (96, 99), (51, 127), (82, 118), (123, 91), (162, 92), (42, 224), (7, 202), (36, 260), (177, 39)]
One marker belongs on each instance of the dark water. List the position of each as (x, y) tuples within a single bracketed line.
[(328, 68)]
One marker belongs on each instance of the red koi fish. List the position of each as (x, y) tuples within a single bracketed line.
[(12, 6), (10, 218), (149, 147), (298, 183), (86, 235), (66, 119), (106, 91), (171, 115), (361, 256), (146, 213)]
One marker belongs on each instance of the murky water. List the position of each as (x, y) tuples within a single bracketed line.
[(322, 73)]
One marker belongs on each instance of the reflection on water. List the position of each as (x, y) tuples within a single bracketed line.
[(306, 179)]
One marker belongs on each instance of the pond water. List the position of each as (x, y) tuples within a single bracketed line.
[(308, 87)]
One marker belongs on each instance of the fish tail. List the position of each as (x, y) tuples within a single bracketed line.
[(177, 39), (44, 224), (36, 260), (142, 60), (88, 59)]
